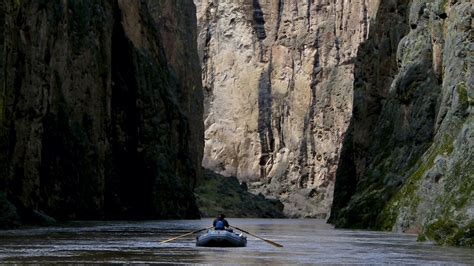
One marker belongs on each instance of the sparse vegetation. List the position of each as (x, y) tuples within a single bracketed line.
[(219, 194), (462, 94), (447, 231), (407, 196)]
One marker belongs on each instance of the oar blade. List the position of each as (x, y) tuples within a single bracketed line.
[(174, 238), (187, 234), (274, 243), (261, 238), (169, 240)]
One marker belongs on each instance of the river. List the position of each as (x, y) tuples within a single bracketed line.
[(305, 241)]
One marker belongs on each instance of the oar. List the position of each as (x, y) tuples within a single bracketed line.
[(261, 238), (187, 234)]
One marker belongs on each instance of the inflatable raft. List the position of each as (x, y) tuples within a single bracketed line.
[(221, 238)]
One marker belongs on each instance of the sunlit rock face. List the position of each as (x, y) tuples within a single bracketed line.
[(278, 83), (100, 109), (407, 162)]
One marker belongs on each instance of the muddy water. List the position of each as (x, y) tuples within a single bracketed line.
[(305, 242)]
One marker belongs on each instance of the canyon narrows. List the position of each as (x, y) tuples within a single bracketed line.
[(355, 111), (284, 80)]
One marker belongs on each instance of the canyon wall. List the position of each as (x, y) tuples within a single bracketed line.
[(278, 82), (407, 161), (100, 109), (283, 81)]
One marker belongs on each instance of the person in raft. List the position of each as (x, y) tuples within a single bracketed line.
[(220, 223)]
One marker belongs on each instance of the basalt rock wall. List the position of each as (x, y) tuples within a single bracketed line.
[(100, 109), (278, 82)]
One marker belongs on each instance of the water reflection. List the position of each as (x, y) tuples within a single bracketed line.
[(305, 241)]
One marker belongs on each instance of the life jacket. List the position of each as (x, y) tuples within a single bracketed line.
[(219, 225)]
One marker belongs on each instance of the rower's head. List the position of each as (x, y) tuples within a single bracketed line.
[(221, 216)]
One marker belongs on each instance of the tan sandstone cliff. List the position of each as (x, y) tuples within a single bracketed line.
[(278, 84)]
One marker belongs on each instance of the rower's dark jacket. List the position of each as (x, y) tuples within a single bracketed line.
[(226, 224)]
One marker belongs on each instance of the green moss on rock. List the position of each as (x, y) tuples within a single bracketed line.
[(463, 97), (407, 196), (440, 230), (447, 231)]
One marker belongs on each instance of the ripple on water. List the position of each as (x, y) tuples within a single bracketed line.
[(305, 241)]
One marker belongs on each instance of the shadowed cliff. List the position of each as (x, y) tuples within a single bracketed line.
[(97, 118), (407, 160)]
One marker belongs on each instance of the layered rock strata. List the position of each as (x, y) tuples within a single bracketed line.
[(407, 161), (277, 77), (100, 109)]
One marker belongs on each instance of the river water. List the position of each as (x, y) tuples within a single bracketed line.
[(305, 241)]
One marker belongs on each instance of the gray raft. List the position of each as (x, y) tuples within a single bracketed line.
[(221, 238)]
